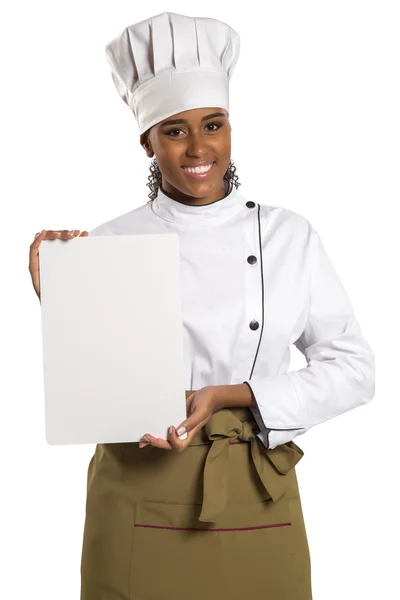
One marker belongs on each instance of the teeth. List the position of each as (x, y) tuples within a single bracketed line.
[(202, 169)]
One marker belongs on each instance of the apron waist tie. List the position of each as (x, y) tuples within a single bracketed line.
[(224, 427)]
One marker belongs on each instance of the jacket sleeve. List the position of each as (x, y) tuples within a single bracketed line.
[(340, 371)]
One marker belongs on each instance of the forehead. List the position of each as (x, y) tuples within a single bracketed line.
[(194, 115)]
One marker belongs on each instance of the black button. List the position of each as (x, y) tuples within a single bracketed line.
[(254, 325), (252, 259), (250, 204)]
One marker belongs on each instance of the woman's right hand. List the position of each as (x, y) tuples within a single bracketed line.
[(63, 234)]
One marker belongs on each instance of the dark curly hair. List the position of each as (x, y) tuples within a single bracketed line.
[(155, 178)]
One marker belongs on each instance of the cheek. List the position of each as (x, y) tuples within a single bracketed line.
[(224, 148), (169, 159)]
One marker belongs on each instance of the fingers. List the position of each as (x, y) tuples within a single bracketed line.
[(179, 445), (176, 443), (173, 441), (143, 442), (63, 234), (38, 238), (56, 234), (156, 442), (197, 416)]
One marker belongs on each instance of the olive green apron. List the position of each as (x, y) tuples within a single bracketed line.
[(220, 520)]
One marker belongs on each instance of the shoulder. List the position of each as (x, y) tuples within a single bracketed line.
[(285, 221), (127, 223)]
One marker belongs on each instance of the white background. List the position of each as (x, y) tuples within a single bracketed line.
[(314, 109)]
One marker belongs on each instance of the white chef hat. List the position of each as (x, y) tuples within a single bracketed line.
[(170, 63)]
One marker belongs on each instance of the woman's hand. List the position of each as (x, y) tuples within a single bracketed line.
[(34, 250), (200, 407)]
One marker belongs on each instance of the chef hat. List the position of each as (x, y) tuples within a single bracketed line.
[(170, 63)]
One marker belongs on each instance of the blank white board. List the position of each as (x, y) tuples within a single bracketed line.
[(112, 338)]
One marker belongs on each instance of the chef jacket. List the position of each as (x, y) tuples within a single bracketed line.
[(254, 280)]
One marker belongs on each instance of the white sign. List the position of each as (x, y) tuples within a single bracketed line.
[(112, 338)]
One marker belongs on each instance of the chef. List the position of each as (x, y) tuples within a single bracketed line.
[(220, 516)]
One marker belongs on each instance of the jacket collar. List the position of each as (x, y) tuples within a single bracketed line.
[(204, 215)]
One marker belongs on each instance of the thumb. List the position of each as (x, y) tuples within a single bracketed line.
[(197, 417), (189, 407)]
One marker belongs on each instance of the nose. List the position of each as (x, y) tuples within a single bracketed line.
[(197, 145)]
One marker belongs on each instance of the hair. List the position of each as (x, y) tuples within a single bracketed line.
[(155, 178)]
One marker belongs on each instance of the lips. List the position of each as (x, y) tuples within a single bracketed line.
[(201, 175)]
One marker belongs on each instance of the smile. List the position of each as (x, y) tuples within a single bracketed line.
[(199, 172)]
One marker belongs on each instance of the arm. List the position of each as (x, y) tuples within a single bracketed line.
[(239, 394), (340, 371)]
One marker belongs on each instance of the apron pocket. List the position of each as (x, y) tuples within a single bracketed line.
[(173, 553)]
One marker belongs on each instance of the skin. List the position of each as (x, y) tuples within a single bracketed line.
[(194, 141), (200, 138), (62, 234)]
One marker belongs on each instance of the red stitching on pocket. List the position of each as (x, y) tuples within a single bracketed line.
[(201, 529)]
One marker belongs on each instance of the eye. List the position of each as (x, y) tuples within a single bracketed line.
[(172, 131), (218, 125), (215, 124)]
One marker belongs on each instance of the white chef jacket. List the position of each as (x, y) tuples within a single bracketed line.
[(254, 280)]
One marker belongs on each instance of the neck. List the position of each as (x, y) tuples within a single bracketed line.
[(179, 196)]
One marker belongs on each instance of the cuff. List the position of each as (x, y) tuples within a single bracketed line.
[(277, 402)]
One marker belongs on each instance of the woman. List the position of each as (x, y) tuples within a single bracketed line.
[(219, 514)]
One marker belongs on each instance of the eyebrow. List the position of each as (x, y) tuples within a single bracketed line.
[(182, 121)]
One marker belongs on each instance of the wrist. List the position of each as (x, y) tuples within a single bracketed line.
[(225, 396)]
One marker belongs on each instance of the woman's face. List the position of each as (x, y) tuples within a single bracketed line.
[(193, 137)]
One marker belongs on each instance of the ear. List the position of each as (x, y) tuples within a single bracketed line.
[(145, 142)]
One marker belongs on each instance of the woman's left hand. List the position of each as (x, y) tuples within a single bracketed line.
[(200, 407)]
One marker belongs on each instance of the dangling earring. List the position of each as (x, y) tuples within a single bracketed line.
[(231, 176), (154, 179)]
